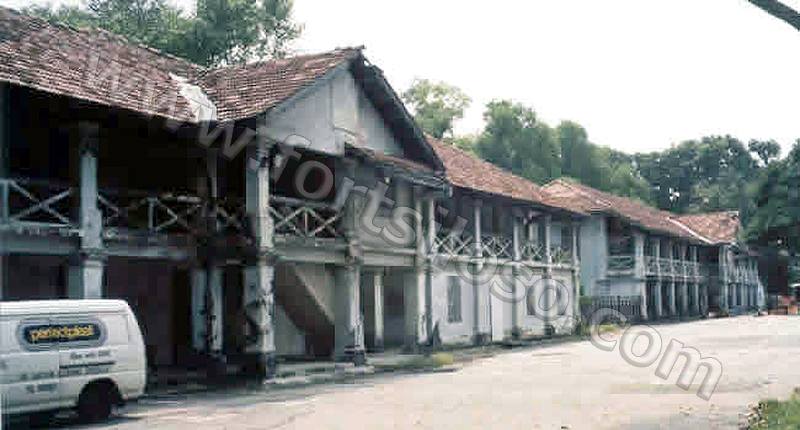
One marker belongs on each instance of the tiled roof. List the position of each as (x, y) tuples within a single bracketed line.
[(91, 65), (580, 197), (468, 171), (98, 66), (718, 227), (248, 90)]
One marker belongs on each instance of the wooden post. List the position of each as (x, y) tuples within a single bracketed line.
[(4, 173), (516, 219), (259, 291), (85, 277)]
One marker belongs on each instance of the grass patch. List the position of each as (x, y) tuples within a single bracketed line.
[(774, 414), (421, 362)]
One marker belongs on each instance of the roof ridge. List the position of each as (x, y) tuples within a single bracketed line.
[(260, 63)]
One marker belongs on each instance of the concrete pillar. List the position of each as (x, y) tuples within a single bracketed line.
[(548, 296), (258, 293), (415, 283), (659, 299), (639, 269), (377, 296), (724, 287), (430, 240), (673, 303), (516, 282), (481, 332), (207, 310), (349, 326), (85, 274), (576, 271), (414, 309)]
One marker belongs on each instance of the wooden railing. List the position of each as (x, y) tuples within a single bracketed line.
[(651, 266), (497, 247), (454, 243), (532, 251), (153, 214), (621, 263), (26, 204), (561, 256), (305, 219)]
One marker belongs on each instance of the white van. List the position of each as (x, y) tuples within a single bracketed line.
[(57, 354)]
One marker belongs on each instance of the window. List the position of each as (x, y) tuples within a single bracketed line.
[(454, 300)]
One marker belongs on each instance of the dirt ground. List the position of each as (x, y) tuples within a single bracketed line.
[(567, 386)]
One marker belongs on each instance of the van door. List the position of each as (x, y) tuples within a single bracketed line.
[(29, 363), (82, 353)]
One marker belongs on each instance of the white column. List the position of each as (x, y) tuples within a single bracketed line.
[(207, 313), (430, 229), (349, 327), (576, 273), (659, 300), (377, 295), (515, 270), (481, 298), (259, 273), (415, 282), (724, 302), (639, 269), (85, 275), (547, 296), (673, 303)]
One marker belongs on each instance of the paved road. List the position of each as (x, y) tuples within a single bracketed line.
[(568, 386)]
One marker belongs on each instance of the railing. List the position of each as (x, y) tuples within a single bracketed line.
[(621, 263), (154, 214), (304, 219), (497, 247), (561, 256), (32, 204), (532, 251), (693, 269), (666, 266), (597, 306), (454, 243), (651, 265)]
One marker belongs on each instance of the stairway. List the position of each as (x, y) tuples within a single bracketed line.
[(305, 292)]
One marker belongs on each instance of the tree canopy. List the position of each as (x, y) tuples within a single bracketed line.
[(436, 106), (220, 32)]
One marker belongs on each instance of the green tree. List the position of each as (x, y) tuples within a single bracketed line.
[(436, 106), (766, 150), (515, 140), (776, 219), (220, 32)]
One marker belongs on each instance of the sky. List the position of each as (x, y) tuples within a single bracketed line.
[(639, 75)]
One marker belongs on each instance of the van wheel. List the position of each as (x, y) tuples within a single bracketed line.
[(95, 402)]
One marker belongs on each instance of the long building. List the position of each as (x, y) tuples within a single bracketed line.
[(664, 264), (293, 208)]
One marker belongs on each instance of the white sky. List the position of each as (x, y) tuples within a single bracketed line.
[(638, 74)]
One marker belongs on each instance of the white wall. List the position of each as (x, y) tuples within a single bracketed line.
[(594, 253), (333, 112)]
